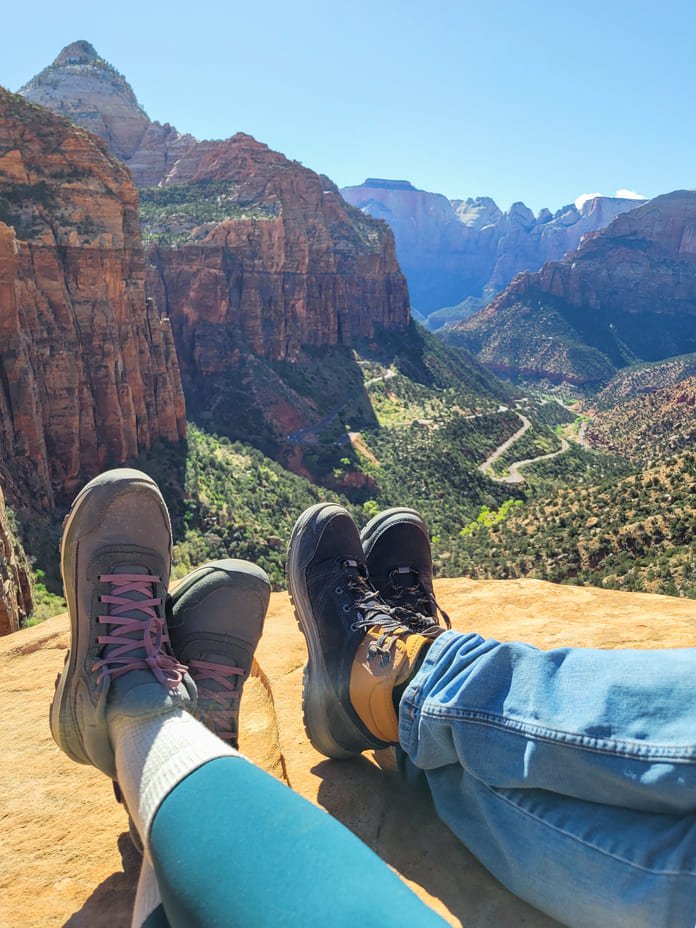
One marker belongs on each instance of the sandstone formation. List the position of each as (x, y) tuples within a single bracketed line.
[(451, 250), (88, 371), (57, 872), (628, 293), (252, 256), (90, 92), (15, 584)]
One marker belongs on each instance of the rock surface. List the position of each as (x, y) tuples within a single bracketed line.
[(252, 255), (90, 92), (15, 585), (313, 271), (628, 293), (73, 864), (451, 250), (88, 371)]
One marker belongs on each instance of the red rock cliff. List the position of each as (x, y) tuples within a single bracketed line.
[(15, 587), (88, 372), (292, 266)]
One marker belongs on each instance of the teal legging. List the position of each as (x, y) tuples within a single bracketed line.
[(231, 846)]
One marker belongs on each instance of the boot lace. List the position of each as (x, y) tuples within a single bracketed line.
[(149, 635), (372, 610), (416, 600), (219, 706)]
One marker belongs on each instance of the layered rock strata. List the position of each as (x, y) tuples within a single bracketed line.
[(88, 370), (90, 92), (450, 250), (627, 294), (15, 584), (252, 256)]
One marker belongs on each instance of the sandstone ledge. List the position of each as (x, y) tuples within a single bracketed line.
[(67, 859)]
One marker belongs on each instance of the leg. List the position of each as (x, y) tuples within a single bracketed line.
[(585, 864), (614, 727), (232, 846), (571, 775), (228, 843)]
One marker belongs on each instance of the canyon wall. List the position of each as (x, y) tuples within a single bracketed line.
[(627, 294)]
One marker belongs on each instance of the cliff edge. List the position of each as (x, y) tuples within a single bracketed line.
[(68, 859)]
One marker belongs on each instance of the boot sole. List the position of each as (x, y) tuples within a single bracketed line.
[(64, 727), (327, 724)]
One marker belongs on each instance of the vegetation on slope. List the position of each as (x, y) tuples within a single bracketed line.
[(635, 533), (183, 213)]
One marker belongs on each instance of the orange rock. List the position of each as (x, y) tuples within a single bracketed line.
[(88, 371), (66, 854)]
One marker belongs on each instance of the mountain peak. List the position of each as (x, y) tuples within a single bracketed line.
[(80, 52)]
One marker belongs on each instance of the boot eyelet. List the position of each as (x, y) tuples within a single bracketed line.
[(346, 607), (353, 627), (338, 590)]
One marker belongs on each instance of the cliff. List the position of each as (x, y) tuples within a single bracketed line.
[(56, 872), (253, 257), (15, 583), (88, 371), (627, 294), (452, 250)]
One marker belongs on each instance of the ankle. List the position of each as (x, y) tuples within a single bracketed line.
[(379, 678)]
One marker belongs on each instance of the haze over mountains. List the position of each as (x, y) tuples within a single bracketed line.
[(627, 294), (451, 250)]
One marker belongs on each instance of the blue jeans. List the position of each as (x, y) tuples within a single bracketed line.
[(570, 774)]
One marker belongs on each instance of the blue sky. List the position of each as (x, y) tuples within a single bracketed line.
[(538, 101)]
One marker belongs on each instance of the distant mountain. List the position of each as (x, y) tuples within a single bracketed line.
[(627, 294), (453, 249), (81, 85)]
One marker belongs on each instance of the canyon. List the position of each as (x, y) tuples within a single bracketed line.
[(253, 257), (627, 294), (451, 250)]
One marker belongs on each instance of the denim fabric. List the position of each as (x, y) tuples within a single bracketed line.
[(570, 774)]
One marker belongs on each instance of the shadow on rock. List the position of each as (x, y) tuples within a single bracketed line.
[(111, 903), (398, 821)]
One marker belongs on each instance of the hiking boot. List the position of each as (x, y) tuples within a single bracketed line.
[(397, 552), (215, 620), (359, 648), (115, 561)]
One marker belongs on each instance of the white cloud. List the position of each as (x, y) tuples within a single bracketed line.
[(584, 197), (630, 194), (624, 193)]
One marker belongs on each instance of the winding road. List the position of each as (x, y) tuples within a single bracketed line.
[(302, 436)]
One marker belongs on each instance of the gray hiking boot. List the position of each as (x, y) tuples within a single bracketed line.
[(359, 648), (215, 621), (115, 562), (396, 544)]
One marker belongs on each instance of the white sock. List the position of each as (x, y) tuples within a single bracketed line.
[(147, 896), (154, 754)]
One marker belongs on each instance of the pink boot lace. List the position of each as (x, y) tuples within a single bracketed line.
[(149, 635), (221, 719)]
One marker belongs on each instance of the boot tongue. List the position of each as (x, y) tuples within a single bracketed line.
[(404, 577)]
